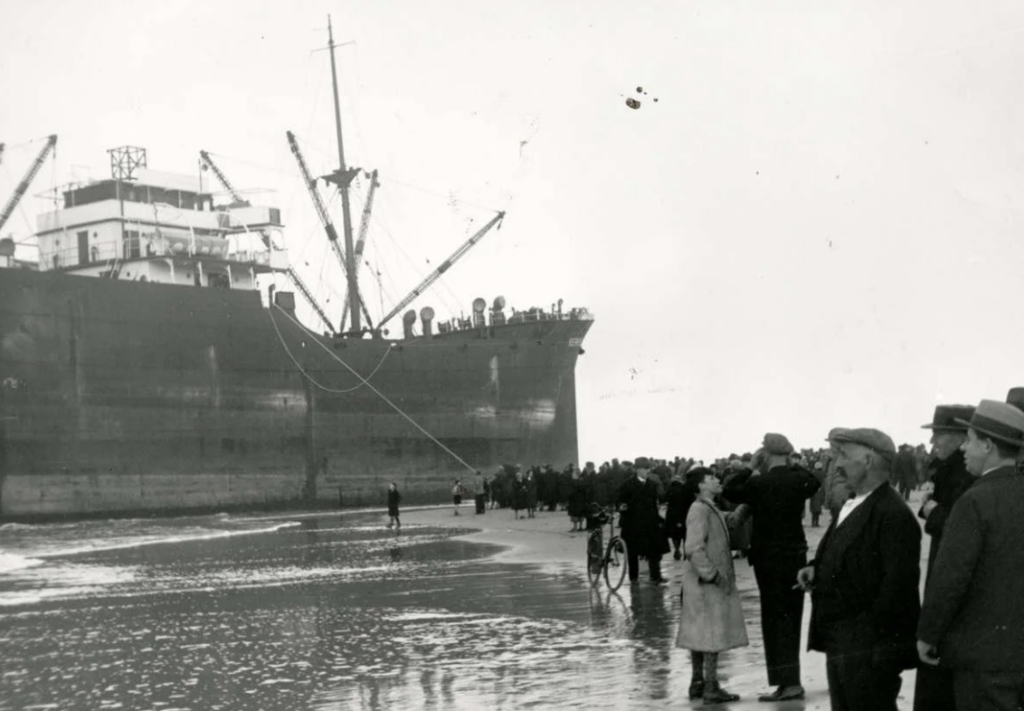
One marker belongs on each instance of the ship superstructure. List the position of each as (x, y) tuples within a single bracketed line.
[(145, 225)]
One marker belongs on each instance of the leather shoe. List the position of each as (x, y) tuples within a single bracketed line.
[(718, 695), (784, 693), (696, 689)]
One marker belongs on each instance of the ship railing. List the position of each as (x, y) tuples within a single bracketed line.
[(530, 316), (142, 248)]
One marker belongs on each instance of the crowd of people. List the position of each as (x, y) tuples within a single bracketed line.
[(966, 638)]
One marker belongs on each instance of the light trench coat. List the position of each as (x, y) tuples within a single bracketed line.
[(712, 619)]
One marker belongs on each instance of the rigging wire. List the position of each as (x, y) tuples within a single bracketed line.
[(310, 378), (366, 382)]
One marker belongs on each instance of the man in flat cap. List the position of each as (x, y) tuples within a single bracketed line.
[(972, 621), (778, 549), (864, 580), (933, 690), (642, 526)]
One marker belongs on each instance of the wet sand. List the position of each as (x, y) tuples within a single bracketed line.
[(546, 542), (336, 612)]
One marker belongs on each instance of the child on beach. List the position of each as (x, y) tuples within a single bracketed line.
[(393, 498)]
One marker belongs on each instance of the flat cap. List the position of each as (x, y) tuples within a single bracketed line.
[(866, 437), (777, 444), (835, 431), (642, 463)]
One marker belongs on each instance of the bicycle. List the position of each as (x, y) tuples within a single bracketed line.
[(607, 561)]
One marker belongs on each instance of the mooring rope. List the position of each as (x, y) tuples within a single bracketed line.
[(364, 381)]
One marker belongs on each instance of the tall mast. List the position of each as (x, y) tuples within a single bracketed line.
[(343, 178)]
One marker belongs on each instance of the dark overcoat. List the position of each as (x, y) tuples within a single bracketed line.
[(777, 501), (950, 480), (641, 522), (680, 498), (973, 607), (866, 575)]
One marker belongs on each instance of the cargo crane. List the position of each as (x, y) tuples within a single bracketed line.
[(364, 226), (325, 220), (445, 265), (304, 290), (27, 180), (239, 201)]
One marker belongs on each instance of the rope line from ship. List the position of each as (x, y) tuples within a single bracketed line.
[(313, 380), (364, 381)]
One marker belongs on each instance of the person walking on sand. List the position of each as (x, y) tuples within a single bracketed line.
[(457, 492), (393, 500), (711, 619)]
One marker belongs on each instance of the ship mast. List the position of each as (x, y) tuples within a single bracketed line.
[(343, 177)]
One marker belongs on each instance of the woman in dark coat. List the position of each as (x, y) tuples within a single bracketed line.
[(680, 498), (577, 507)]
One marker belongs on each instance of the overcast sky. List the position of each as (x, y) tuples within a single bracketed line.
[(819, 222)]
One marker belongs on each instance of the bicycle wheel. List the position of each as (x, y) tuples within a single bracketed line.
[(595, 557), (615, 563)]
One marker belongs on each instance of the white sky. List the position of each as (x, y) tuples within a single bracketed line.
[(819, 223)]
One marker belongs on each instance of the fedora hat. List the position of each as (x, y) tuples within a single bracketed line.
[(1016, 398), (948, 417), (998, 420)]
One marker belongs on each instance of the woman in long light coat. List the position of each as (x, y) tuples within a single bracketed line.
[(712, 619)]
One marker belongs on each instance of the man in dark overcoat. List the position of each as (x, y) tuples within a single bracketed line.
[(864, 580), (972, 621), (778, 550), (949, 479), (641, 523)]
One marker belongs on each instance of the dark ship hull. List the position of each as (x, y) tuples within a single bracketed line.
[(120, 396)]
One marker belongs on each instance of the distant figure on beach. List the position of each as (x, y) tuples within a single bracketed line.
[(479, 495), (680, 498), (393, 499), (577, 507), (457, 492), (518, 492), (643, 529)]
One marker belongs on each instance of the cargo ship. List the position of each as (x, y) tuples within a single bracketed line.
[(147, 366)]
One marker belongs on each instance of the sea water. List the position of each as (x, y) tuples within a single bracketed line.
[(316, 612)]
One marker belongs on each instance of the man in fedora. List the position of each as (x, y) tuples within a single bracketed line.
[(949, 475), (864, 580), (972, 620), (778, 549), (1016, 398), (933, 689)]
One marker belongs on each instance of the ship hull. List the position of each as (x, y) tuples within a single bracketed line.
[(120, 396)]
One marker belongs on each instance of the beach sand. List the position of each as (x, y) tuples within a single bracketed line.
[(545, 541)]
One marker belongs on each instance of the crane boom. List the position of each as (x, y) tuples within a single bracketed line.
[(27, 180), (321, 211), (304, 290), (445, 265), (242, 202), (364, 227)]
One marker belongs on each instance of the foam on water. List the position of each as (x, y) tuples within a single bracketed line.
[(10, 561)]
